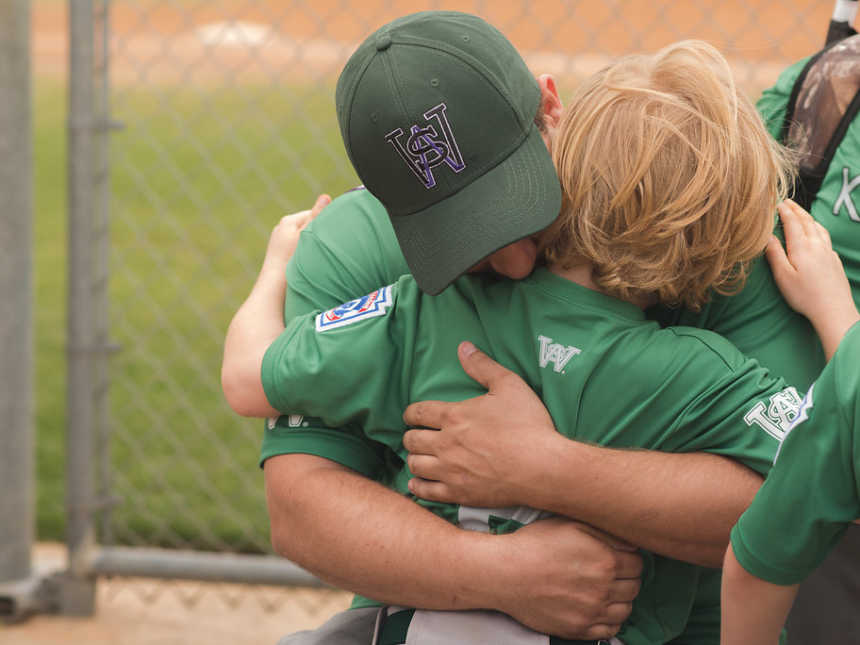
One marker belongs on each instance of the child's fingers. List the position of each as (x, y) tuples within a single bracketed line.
[(823, 234), (807, 223), (790, 224), (321, 202), (780, 266)]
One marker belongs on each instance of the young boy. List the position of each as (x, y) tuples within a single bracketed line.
[(669, 182), (812, 493)]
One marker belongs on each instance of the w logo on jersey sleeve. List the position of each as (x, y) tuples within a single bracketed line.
[(802, 415), (372, 305), (426, 148), (779, 415)]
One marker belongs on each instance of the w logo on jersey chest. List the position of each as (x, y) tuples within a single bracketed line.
[(556, 353), (426, 147)]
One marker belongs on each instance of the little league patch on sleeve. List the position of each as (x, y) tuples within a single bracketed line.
[(370, 306)]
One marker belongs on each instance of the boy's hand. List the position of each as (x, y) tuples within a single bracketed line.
[(810, 276), (285, 235)]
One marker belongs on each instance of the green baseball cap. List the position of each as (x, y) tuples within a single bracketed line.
[(437, 110)]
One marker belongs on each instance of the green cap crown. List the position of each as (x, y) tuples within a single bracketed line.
[(432, 104)]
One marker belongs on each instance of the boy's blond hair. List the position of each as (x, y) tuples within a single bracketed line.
[(669, 179)]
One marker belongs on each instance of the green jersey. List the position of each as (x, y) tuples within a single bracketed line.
[(350, 249), (812, 493), (606, 374)]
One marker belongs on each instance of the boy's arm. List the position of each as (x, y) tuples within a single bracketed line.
[(260, 319), (753, 610), (810, 276)]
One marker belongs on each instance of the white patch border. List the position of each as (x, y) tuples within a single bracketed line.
[(802, 415), (380, 308)]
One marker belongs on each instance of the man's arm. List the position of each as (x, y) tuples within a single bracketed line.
[(679, 505), (260, 319), (554, 575), (753, 610)]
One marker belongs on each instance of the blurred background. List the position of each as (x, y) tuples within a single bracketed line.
[(168, 137)]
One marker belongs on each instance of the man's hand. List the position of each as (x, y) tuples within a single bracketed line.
[(810, 276), (570, 579), (477, 457)]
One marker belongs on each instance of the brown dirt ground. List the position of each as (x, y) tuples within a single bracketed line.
[(158, 612), (157, 39)]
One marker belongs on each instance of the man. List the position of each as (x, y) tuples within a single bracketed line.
[(612, 248), (677, 505)]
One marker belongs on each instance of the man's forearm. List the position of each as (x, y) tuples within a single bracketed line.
[(679, 505), (554, 575), (356, 534)]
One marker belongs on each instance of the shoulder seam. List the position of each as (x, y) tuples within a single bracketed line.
[(703, 342)]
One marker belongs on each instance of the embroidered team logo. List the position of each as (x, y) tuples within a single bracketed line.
[(779, 416), (557, 354), (427, 147), (844, 198), (802, 415), (293, 421), (372, 305)]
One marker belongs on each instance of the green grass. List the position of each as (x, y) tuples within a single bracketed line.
[(198, 178)]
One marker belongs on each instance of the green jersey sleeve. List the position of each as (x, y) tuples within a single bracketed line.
[(293, 433), (350, 364), (811, 494), (349, 249), (714, 400), (741, 415)]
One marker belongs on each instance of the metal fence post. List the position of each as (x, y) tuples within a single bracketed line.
[(78, 592), (18, 587), (16, 352)]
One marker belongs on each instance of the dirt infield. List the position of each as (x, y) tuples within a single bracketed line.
[(179, 40), (156, 612)]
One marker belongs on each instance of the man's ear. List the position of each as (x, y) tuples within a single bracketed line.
[(551, 103)]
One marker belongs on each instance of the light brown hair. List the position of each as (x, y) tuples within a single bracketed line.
[(670, 181)]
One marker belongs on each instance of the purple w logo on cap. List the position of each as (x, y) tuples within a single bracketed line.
[(426, 148)]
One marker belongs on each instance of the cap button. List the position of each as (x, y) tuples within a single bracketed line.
[(383, 42)]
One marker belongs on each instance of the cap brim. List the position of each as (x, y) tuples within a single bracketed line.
[(517, 198)]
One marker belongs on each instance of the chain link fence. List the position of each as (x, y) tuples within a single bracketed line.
[(206, 121)]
